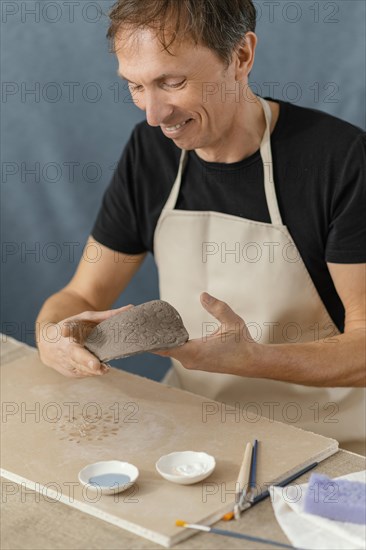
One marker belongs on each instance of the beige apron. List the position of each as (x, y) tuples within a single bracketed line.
[(256, 268)]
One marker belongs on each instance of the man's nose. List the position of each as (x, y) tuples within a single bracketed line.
[(158, 108)]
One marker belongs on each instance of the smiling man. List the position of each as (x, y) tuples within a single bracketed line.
[(253, 200), (196, 101)]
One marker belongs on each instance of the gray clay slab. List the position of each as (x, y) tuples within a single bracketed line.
[(150, 326)]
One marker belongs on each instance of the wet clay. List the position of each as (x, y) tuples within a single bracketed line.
[(150, 326)]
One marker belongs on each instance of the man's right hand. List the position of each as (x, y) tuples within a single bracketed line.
[(61, 345)]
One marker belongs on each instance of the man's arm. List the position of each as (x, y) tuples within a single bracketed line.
[(95, 286), (85, 301), (338, 361)]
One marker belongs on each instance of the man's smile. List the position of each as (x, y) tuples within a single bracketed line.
[(174, 130)]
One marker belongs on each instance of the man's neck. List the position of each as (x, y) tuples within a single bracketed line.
[(233, 147)]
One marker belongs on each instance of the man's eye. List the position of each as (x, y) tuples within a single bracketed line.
[(134, 88), (137, 88), (176, 85)]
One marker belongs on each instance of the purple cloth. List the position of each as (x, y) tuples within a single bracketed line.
[(340, 500)]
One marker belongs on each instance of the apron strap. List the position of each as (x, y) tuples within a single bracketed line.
[(172, 200), (266, 154)]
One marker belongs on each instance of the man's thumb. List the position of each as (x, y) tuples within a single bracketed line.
[(220, 310)]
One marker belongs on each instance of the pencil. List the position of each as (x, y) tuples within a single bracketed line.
[(253, 468), (285, 482), (226, 533), (265, 494)]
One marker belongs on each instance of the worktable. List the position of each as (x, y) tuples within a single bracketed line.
[(29, 520)]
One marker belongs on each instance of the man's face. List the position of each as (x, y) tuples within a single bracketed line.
[(187, 88)]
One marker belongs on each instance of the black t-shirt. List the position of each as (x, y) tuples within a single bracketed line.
[(319, 165)]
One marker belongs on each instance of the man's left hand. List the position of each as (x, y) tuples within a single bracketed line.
[(230, 349)]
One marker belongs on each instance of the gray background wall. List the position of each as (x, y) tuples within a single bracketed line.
[(65, 118)]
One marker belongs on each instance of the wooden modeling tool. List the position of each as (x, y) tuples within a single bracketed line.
[(252, 481), (243, 479)]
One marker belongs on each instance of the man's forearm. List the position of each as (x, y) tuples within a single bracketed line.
[(333, 362), (59, 306), (338, 361)]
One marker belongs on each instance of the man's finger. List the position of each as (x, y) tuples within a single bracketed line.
[(85, 360), (221, 310), (79, 326), (97, 316), (76, 330), (69, 372)]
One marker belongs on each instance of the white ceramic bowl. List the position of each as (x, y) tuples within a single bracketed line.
[(108, 477), (185, 467)]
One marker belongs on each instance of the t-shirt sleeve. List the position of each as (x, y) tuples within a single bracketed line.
[(346, 241), (116, 225)]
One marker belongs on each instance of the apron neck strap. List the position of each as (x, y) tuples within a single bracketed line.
[(172, 200), (266, 155)]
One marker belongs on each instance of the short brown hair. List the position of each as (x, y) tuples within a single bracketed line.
[(217, 24)]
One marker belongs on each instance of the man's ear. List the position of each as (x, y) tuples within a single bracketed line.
[(244, 55)]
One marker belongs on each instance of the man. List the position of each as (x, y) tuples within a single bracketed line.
[(256, 201)]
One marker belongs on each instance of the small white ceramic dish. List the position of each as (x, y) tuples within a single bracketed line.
[(185, 467), (108, 477)]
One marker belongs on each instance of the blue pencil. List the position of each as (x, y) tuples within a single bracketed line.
[(285, 482), (253, 469), (224, 532)]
